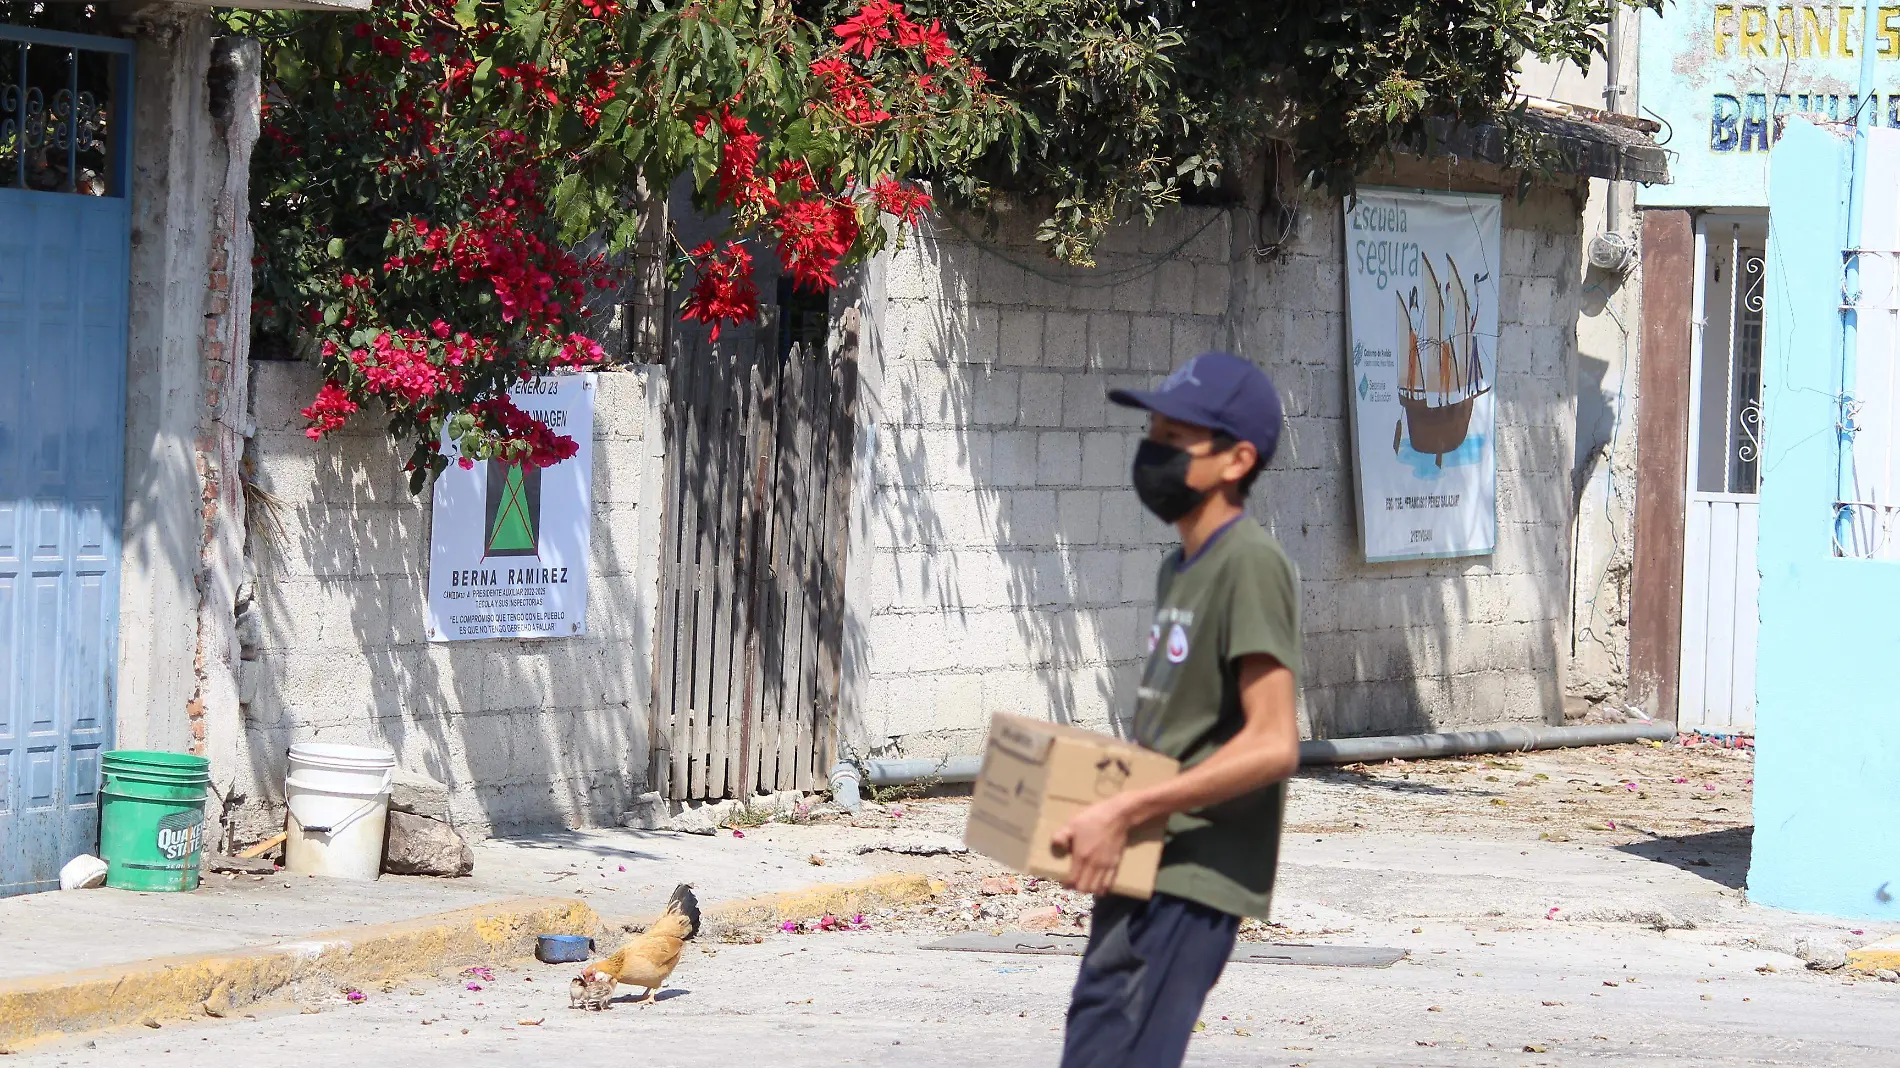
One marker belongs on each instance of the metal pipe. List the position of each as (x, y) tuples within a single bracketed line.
[(1512, 739)]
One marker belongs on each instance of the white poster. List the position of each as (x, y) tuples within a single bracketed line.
[(1422, 329), (508, 549)]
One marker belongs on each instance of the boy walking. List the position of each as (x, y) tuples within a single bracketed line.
[(1218, 694)]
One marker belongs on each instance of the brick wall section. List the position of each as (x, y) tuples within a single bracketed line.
[(525, 733), (220, 442), (1013, 569)]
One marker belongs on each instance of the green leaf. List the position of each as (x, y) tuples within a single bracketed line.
[(335, 248), (465, 13)]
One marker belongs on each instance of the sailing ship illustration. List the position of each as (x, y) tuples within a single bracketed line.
[(1441, 373)]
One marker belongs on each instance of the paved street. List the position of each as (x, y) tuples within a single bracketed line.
[(1619, 948), (1465, 997)]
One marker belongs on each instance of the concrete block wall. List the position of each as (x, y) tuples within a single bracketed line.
[(1011, 567), (525, 733)]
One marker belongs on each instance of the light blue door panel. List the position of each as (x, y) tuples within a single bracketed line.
[(63, 304)]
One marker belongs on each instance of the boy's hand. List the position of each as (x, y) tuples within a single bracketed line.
[(1094, 839)]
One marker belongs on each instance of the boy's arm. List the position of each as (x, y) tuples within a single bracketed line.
[(1266, 750)]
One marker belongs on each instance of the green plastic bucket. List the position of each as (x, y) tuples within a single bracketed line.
[(151, 820)]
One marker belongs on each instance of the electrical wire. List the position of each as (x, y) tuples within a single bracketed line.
[(1098, 279)]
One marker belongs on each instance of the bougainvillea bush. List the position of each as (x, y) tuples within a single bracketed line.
[(428, 170)]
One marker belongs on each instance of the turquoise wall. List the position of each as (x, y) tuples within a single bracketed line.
[(1827, 691), (1723, 75)]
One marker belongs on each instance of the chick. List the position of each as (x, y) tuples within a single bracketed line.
[(647, 959)]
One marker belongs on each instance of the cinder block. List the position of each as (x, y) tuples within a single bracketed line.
[(1021, 338), (1059, 458), (954, 457), (920, 394), (900, 459), (1041, 399), (1125, 522), (1084, 401), (998, 282), (1124, 632), (1138, 568), (1193, 337), (1106, 456), (1151, 343), (1065, 340), (995, 398), (1174, 288), (1213, 283), (1135, 296), (1079, 517), (620, 411), (1030, 518), (1013, 459), (1108, 341), (973, 334), (1098, 576), (1213, 235)]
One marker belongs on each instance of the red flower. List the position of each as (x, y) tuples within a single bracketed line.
[(931, 38), (739, 182), (795, 170), (908, 205), (870, 27), (527, 440), (329, 411), (849, 92), (725, 292), (814, 234)]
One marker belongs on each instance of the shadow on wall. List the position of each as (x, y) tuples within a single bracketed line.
[(525, 733), (1015, 569)]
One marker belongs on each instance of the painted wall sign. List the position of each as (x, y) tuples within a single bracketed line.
[(508, 544), (1726, 77), (1422, 305)]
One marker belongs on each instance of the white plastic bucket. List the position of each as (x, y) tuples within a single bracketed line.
[(339, 805)]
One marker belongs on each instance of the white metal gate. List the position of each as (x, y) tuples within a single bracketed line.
[(1720, 578)]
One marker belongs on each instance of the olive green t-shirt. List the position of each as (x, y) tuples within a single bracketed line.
[(1239, 596)]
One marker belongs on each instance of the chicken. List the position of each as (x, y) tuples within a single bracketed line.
[(647, 959)]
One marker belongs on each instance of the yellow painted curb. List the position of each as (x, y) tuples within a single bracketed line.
[(44, 1007), (1876, 955), (837, 899), (812, 902)]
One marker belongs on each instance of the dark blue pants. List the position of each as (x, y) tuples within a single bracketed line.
[(1146, 973)]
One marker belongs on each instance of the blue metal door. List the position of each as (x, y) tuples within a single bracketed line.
[(64, 292)]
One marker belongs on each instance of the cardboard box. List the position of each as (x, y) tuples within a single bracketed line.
[(1036, 775)]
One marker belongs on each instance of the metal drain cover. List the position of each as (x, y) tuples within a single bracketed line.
[(1070, 945)]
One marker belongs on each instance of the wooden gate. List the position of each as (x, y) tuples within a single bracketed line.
[(759, 441)]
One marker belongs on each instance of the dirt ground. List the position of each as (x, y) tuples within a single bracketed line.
[(1688, 798), (1604, 795)]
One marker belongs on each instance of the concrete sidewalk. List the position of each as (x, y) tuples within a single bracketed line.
[(620, 874), (78, 961)]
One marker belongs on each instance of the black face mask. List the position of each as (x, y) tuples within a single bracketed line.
[(1161, 481)]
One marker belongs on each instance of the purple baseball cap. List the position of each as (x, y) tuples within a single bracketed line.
[(1220, 391)]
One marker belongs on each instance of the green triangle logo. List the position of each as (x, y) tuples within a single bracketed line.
[(514, 511)]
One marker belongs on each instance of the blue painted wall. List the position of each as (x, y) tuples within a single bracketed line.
[(1827, 767), (1721, 73)]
